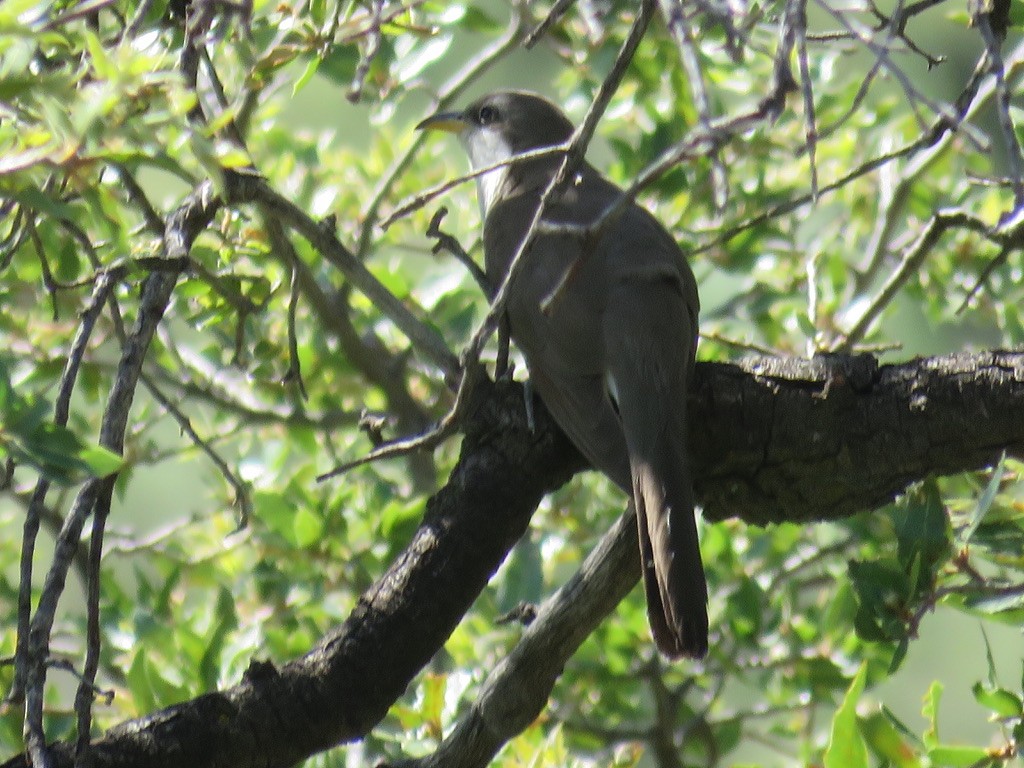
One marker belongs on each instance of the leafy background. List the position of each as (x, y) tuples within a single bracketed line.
[(825, 649)]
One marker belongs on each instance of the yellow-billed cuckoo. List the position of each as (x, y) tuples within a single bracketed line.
[(612, 355)]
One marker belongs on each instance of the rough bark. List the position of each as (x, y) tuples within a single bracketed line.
[(772, 440), (516, 691), (797, 440)]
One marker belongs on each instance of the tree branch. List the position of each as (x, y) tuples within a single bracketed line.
[(422, 336), (772, 440), (853, 418)]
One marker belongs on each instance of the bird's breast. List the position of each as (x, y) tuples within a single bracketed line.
[(556, 300)]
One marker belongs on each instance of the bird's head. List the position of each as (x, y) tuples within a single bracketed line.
[(496, 127)]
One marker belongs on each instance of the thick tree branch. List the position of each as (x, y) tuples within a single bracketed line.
[(825, 463), (517, 690), (796, 440), (772, 440), (337, 692)]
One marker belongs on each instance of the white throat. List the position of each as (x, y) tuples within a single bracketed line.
[(486, 147)]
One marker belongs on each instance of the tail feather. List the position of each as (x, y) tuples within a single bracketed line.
[(650, 328), (670, 550)]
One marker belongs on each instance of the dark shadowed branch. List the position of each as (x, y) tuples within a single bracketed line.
[(772, 440)]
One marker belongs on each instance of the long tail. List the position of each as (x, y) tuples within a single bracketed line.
[(677, 592), (649, 336)]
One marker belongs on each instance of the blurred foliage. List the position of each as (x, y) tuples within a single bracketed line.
[(28, 437), (99, 140)]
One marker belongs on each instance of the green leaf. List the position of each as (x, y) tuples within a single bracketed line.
[(1008, 608), (923, 529), (957, 756), (101, 62), (318, 11), (275, 512), (100, 461), (137, 680), (888, 742), (899, 655), (55, 451), (311, 68), (399, 519), (412, 64), (7, 397), (841, 609), (901, 727), (930, 711), (1016, 14), (339, 65), (1001, 702), (37, 200), (989, 660), (986, 499), (1001, 536), (881, 587), (914, 576), (225, 620), (307, 527), (746, 608), (846, 744), (432, 710), (476, 20)]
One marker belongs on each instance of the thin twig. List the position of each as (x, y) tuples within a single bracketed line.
[(250, 413), (82, 11), (942, 130), (87, 683), (135, 26), (698, 144), (365, 349), (901, 194), (242, 499), (64, 665), (563, 622), (420, 199), (998, 260), (294, 372), (556, 12), (745, 346), (61, 412), (909, 266), (230, 128), (682, 31), (970, 102), (449, 243), (881, 52), (423, 337), (373, 39), (182, 228), (227, 288), (38, 645), (796, 14), (17, 235), (896, 26), (1013, 148), (50, 284), (573, 155), (447, 94), (428, 440)]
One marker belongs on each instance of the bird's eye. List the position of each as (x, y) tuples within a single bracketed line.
[(487, 114)]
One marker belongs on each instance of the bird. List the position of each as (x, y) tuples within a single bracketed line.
[(608, 330)]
